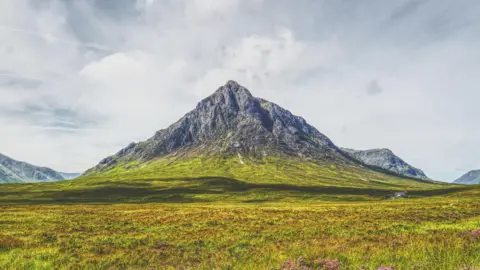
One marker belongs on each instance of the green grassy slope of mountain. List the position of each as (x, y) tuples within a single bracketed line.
[(266, 170), (224, 179)]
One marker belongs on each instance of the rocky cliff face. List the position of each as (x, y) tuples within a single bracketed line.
[(470, 178), (13, 171), (386, 159), (232, 121)]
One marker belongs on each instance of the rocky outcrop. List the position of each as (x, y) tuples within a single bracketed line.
[(387, 160)]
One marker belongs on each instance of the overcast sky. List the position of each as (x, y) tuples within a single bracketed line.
[(79, 80)]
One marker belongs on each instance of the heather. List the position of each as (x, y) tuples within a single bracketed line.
[(424, 232)]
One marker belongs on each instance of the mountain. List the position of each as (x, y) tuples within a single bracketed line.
[(236, 135), (470, 178), (13, 171), (232, 121), (386, 159)]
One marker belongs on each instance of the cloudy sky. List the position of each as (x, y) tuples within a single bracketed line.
[(81, 79)]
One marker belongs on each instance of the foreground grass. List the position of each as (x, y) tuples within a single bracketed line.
[(426, 233)]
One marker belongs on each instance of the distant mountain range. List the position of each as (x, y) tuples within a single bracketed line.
[(386, 159), (470, 178), (234, 134), (13, 171)]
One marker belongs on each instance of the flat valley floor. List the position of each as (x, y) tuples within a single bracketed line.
[(431, 232)]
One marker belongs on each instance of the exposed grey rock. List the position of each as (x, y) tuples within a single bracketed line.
[(398, 195), (13, 171), (386, 159), (470, 178), (232, 121)]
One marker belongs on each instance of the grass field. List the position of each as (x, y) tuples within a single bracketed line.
[(429, 233), (239, 219), (436, 230)]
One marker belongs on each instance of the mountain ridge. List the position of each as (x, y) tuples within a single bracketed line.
[(14, 171), (385, 158), (470, 178)]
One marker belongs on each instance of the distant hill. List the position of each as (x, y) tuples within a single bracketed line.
[(470, 178), (13, 171), (233, 134), (386, 159)]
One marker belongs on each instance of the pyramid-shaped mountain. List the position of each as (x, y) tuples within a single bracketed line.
[(232, 121), (232, 133)]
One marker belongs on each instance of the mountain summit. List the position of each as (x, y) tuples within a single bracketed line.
[(232, 121)]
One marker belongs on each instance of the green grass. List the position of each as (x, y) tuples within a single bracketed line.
[(195, 214), (276, 170), (406, 234), (199, 179)]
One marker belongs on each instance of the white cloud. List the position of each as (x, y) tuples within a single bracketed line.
[(258, 60), (207, 7), (117, 68)]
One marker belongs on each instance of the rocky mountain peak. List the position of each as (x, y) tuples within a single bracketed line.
[(233, 121), (230, 99), (231, 93), (233, 89)]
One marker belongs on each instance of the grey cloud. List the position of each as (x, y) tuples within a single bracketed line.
[(373, 88), (13, 80), (52, 117), (407, 8)]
